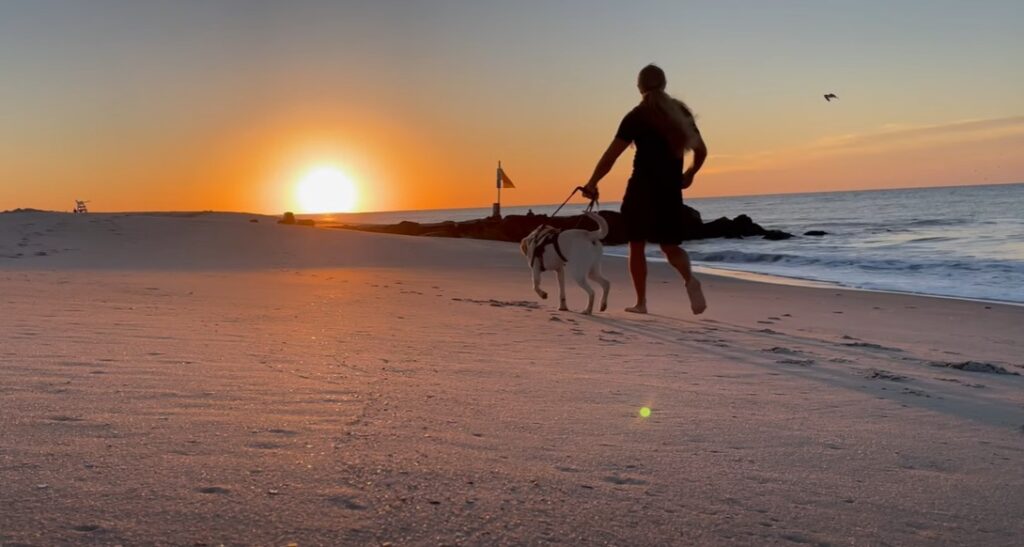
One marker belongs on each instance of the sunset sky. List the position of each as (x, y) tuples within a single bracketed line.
[(227, 105)]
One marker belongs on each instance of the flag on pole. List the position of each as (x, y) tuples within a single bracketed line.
[(503, 180)]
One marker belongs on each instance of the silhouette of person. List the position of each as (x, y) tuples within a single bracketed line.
[(662, 129)]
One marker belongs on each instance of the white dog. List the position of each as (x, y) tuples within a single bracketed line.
[(546, 248)]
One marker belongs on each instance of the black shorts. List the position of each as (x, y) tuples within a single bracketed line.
[(654, 214)]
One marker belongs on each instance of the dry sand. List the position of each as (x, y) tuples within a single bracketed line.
[(204, 380)]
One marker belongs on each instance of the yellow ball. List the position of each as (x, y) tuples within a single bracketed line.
[(645, 412)]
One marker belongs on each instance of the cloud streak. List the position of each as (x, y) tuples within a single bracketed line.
[(887, 139)]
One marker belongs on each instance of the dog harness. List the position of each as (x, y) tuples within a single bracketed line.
[(547, 236)]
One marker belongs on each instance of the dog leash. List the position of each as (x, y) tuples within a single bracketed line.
[(590, 206), (577, 189)]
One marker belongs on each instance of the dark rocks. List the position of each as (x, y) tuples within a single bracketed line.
[(22, 210), (736, 228), (509, 228), (289, 218), (776, 235), (516, 227), (816, 233)]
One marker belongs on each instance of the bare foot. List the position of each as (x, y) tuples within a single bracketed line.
[(697, 302), (639, 308)]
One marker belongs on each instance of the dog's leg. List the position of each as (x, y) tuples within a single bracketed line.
[(536, 283), (580, 276), (595, 274), (561, 289)]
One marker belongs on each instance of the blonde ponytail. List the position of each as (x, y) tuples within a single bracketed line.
[(671, 116)]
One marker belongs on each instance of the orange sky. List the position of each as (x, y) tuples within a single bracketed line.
[(226, 106)]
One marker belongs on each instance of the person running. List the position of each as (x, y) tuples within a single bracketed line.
[(663, 129)]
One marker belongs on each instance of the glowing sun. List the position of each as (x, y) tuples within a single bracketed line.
[(326, 190)]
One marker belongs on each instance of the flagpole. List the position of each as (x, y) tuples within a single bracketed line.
[(497, 204)]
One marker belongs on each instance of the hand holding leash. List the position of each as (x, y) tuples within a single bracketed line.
[(589, 191)]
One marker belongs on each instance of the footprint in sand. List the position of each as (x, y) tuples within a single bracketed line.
[(869, 345), (782, 351), (974, 366), (620, 480), (264, 446), (502, 303), (285, 432), (63, 418), (955, 381), (799, 362), (346, 501), (879, 374)]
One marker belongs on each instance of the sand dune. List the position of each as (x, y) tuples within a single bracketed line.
[(177, 379)]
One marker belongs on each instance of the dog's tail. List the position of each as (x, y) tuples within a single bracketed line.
[(602, 226)]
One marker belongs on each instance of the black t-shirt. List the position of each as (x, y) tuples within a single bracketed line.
[(654, 160)]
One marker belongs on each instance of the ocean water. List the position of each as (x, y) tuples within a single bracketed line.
[(965, 242)]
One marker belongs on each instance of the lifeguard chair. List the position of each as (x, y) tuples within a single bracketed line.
[(80, 207)]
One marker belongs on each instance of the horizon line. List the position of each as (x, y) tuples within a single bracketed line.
[(391, 211)]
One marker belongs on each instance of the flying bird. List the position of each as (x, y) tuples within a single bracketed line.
[(830, 96)]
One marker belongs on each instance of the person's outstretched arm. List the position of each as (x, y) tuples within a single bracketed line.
[(700, 153), (604, 165)]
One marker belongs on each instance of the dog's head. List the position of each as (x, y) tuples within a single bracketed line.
[(530, 242)]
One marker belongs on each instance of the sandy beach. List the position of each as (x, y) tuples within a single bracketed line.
[(201, 379)]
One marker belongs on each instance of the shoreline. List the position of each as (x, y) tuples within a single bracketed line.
[(775, 279), (749, 275)]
